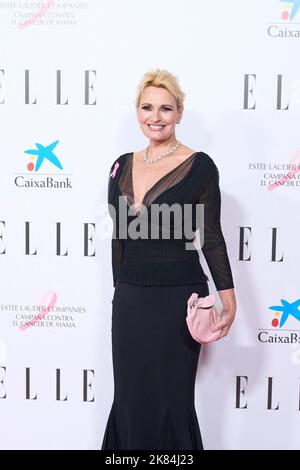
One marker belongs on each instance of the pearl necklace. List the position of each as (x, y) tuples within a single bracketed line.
[(172, 150)]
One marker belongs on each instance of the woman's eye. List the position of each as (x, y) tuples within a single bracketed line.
[(164, 109)]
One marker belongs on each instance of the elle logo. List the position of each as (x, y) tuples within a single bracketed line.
[(56, 391)]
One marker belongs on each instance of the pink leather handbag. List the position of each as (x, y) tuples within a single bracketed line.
[(201, 318)]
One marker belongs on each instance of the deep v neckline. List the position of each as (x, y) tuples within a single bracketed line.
[(159, 180)]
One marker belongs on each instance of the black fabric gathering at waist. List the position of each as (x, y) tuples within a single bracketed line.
[(160, 262)]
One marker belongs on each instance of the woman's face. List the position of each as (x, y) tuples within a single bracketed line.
[(157, 113)]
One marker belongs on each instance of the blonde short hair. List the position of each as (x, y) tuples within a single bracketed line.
[(161, 78)]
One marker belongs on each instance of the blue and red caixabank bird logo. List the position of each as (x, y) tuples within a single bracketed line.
[(286, 310), (42, 153), (47, 159), (291, 9)]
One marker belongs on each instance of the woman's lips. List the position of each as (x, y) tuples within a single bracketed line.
[(156, 128)]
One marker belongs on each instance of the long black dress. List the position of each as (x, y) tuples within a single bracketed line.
[(154, 356)]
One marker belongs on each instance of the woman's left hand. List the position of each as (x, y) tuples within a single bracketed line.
[(228, 313), (224, 323)]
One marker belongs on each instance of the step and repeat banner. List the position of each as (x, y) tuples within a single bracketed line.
[(68, 78)]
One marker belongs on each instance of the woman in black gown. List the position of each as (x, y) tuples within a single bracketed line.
[(155, 271)]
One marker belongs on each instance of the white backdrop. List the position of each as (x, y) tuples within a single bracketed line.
[(70, 75)]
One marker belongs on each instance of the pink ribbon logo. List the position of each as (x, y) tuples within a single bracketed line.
[(113, 173), (289, 175), (42, 12), (40, 316)]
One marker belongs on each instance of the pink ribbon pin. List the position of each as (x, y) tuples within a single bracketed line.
[(113, 173)]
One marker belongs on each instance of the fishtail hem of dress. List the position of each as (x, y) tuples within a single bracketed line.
[(170, 436)]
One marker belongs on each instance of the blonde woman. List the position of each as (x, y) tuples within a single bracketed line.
[(154, 356)]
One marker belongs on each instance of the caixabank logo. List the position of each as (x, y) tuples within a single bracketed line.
[(290, 9), (43, 169), (287, 26), (285, 323)]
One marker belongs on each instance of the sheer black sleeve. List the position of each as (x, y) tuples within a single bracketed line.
[(116, 243), (214, 246)]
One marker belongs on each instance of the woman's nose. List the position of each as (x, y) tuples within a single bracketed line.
[(155, 115)]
